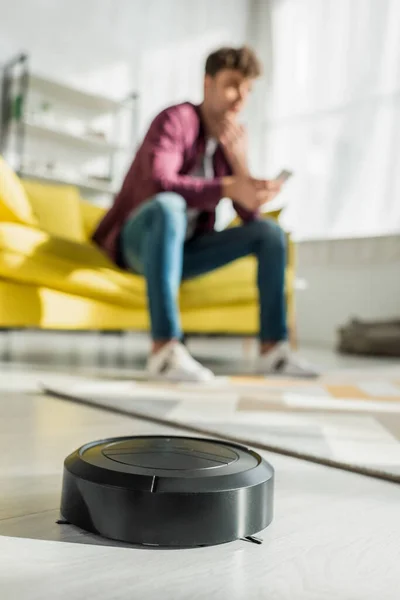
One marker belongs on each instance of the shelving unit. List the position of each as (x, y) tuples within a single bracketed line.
[(58, 135), (55, 132), (72, 95)]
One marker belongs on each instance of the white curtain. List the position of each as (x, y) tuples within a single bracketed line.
[(331, 113)]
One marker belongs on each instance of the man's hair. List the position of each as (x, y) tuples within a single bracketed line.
[(242, 59)]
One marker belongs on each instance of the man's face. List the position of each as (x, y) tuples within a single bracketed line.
[(226, 93)]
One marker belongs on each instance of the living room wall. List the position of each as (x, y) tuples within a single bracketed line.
[(156, 47)]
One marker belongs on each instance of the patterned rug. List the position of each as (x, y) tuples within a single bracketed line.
[(348, 420)]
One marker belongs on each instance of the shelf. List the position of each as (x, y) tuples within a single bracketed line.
[(90, 186), (71, 95), (58, 135)]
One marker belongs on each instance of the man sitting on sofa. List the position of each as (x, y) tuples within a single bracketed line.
[(162, 222)]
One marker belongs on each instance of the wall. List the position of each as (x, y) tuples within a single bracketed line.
[(346, 279)]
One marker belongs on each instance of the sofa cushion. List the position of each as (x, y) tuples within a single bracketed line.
[(91, 217), (14, 203), (33, 256), (57, 209)]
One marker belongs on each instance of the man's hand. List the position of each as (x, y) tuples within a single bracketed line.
[(269, 187), (250, 193), (233, 138)]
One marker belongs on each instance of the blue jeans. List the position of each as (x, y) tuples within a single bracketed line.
[(153, 245)]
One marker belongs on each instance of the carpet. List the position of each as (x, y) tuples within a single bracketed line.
[(348, 420)]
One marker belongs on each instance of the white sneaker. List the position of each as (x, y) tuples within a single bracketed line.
[(174, 363), (282, 361)]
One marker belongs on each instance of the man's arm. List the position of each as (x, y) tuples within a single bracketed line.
[(165, 157), (163, 154), (233, 138)]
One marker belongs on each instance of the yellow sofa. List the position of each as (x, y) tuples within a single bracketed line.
[(53, 277)]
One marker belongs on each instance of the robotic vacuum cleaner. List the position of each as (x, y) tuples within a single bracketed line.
[(167, 491)]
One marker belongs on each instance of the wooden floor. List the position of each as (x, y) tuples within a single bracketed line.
[(334, 536)]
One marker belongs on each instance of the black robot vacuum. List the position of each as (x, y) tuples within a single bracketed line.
[(167, 491)]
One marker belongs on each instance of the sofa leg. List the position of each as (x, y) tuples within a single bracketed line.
[(248, 343), (293, 333), (293, 339), (6, 344)]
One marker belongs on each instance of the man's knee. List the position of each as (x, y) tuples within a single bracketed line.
[(170, 202), (271, 232), (170, 208)]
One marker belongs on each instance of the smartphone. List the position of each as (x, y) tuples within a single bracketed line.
[(284, 175)]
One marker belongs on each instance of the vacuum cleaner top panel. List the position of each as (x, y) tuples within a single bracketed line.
[(136, 461), (179, 456)]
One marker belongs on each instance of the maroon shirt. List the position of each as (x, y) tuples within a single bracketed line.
[(169, 153)]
